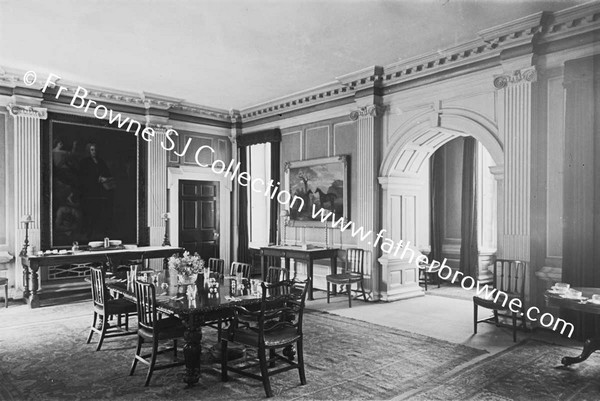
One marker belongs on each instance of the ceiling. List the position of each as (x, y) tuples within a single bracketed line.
[(235, 53)]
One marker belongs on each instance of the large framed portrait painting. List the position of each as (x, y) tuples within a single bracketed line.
[(93, 184), (321, 183)]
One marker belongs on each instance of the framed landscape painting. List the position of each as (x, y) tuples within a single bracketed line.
[(321, 183), (93, 183)]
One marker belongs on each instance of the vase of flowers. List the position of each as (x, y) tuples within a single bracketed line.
[(187, 267)]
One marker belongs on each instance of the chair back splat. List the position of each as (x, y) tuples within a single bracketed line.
[(145, 295), (238, 267), (98, 287), (217, 266), (277, 274)]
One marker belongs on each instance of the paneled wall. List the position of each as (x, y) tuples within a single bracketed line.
[(327, 138), (323, 139)]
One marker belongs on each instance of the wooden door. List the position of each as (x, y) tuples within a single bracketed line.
[(199, 217)]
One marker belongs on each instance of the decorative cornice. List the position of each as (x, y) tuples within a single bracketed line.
[(14, 78), (234, 116), (27, 111), (528, 74), (373, 110)]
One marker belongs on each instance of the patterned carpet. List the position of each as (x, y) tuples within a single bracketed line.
[(528, 371), (345, 360)]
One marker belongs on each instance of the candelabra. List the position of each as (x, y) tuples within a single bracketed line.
[(285, 216), (165, 217), (26, 220)]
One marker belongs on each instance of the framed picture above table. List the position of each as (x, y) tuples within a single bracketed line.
[(321, 183), (92, 181)]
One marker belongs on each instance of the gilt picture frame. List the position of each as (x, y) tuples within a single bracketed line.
[(92, 182), (320, 183)]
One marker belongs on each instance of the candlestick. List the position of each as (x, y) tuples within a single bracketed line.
[(26, 219)]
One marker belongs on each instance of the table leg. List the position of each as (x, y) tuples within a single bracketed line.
[(34, 300), (26, 292), (333, 264), (310, 275), (192, 350), (590, 345)]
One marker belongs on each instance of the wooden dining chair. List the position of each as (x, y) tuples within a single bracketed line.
[(353, 273), (238, 267), (105, 307), (152, 329), (276, 326), (217, 266), (509, 278)]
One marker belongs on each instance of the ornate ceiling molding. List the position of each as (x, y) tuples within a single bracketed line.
[(27, 111)]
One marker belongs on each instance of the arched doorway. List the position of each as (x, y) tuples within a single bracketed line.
[(404, 179)]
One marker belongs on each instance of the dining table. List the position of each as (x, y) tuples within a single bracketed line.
[(210, 300), (587, 305)]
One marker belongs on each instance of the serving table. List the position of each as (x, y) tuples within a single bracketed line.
[(194, 311), (32, 264), (298, 253), (591, 344)]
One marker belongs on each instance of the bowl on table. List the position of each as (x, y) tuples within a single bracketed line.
[(96, 244), (115, 242), (561, 288)]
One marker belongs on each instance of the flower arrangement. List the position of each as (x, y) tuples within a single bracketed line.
[(186, 265)]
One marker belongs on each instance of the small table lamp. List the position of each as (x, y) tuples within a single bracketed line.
[(165, 217), (26, 219)]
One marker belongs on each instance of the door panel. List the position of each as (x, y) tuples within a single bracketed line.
[(199, 217)]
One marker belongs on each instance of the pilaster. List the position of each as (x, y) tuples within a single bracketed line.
[(156, 178), (27, 177), (369, 130), (236, 129), (515, 90)]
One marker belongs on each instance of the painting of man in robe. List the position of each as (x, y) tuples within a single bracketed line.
[(93, 173)]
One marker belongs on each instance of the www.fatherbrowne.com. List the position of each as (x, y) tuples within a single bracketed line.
[(272, 190)]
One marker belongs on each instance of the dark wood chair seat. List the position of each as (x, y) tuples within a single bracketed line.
[(117, 306), (343, 278)]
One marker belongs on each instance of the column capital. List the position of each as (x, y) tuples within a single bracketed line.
[(525, 75), (27, 111), (159, 128), (372, 110)]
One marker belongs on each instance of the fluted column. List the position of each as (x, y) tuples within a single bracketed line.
[(27, 177), (515, 124), (156, 178), (369, 126), (236, 129)]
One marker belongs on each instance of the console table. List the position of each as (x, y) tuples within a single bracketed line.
[(32, 264), (297, 253)]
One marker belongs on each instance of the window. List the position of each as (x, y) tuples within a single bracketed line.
[(259, 167)]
